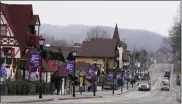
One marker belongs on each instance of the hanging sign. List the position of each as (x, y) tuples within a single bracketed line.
[(34, 59), (69, 66), (110, 76)]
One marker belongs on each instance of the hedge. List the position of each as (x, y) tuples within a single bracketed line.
[(25, 88)]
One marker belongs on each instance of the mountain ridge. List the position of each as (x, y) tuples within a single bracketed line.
[(140, 38)]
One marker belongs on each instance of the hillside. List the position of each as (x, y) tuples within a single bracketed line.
[(77, 33)]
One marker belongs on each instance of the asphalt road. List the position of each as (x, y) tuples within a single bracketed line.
[(155, 96)]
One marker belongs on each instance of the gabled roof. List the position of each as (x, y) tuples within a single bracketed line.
[(98, 47), (116, 35), (19, 17), (34, 19)]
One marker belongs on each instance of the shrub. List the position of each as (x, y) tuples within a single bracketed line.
[(25, 87)]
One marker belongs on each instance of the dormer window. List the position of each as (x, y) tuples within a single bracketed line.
[(3, 30)]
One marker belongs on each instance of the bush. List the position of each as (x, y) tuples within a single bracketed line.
[(25, 87)]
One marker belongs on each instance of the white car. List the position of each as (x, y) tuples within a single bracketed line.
[(165, 86), (144, 87), (164, 79)]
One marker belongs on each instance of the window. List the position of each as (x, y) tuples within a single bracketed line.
[(7, 51), (3, 29)]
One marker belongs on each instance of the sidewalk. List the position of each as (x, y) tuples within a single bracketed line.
[(109, 92), (35, 98), (85, 95)]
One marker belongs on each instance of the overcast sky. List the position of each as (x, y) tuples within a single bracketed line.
[(155, 16)]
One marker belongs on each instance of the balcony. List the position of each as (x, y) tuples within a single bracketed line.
[(33, 40)]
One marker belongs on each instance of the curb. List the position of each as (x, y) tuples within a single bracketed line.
[(135, 87), (32, 101), (45, 100), (178, 98), (79, 98)]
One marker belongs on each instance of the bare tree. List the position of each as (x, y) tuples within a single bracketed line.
[(50, 39), (97, 32), (175, 36), (60, 42)]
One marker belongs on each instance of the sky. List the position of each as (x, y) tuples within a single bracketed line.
[(156, 16)]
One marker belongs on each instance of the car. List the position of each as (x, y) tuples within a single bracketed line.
[(167, 74), (165, 86), (178, 82), (165, 79), (144, 87)]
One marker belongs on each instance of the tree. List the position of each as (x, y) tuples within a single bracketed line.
[(60, 42), (97, 32), (49, 39), (175, 36)]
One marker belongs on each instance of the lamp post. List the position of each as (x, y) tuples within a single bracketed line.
[(41, 43), (94, 78), (113, 80), (74, 57)]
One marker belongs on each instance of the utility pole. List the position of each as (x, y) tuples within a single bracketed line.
[(140, 60), (134, 59)]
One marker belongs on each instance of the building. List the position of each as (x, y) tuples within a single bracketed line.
[(18, 25)]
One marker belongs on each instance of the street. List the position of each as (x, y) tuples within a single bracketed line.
[(155, 96)]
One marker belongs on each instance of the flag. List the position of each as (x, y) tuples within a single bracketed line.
[(38, 72), (15, 71), (3, 69), (11, 68)]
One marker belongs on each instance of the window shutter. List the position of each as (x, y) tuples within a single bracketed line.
[(12, 52)]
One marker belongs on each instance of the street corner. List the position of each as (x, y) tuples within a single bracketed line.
[(30, 101), (82, 97)]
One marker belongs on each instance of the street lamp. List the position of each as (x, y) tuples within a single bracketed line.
[(74, 57), (113, 80), (94, 77), (41, 43)]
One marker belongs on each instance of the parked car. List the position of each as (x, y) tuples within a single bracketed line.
[(167, 74), (164, 79), (144, 87), (165, 86), (178, 81)]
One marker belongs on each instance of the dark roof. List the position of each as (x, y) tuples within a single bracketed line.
[(61, 72), (82, 65), (19, 18), (116, 35), (98, 47), (34, 19), (66, 54), (126, 54), (77, 44)]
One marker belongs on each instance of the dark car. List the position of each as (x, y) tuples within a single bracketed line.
[(178, 81)]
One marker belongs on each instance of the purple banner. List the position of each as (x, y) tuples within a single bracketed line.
[(90, 71), (69, 66), (34, 59), (120, 75), (110, 76)]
